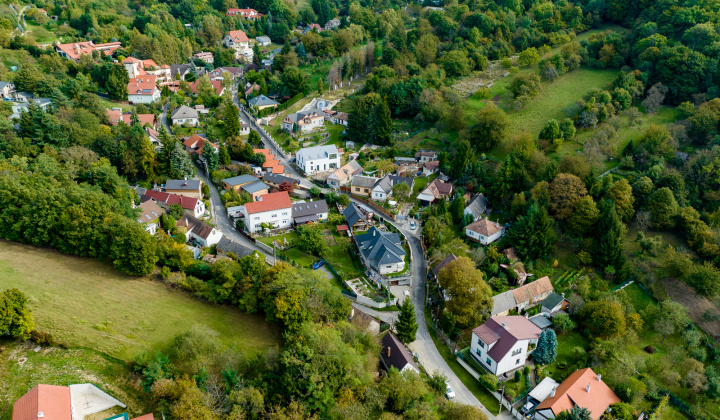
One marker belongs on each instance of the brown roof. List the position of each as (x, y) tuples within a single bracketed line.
[(146, 119), (574, 391), (148, 416), (450, 258), (114, 116), (515, 328), (269, 202), (53, 401), (342, 228), (216, 84), (238, 36), (196, 143), (532, 290), (198, 227), (187, 203), (75, 49), (439, 189), (149, 211), (143, 85), (511, 254), (485, 227), (399, 355), (432, 165)]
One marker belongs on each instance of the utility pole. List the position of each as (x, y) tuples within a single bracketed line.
[(502, 394)]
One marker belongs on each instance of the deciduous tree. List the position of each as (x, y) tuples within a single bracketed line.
[(470, 297), (566, 191), (663, 208), (16, 318), (603, 318), (490, 129)]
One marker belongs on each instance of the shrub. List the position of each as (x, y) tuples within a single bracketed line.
[(488, 381), (526, 370), (41, 337), (518, 376), (650, 349)]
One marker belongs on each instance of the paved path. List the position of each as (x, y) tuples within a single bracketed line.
[(388, 317)]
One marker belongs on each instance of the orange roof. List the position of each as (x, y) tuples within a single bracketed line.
[(144, 85), (76, 49), (148, 416), (485, 227), (53, 401), (146, 119), (149, 63), (196, 142), (217, 85), (269, 163), (269, 202), (532, 290), (114, 116), (583, 388), (131, 60), (238, 36), (280, 169)]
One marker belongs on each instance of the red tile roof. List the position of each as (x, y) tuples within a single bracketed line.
[(148, 416), (188, 203), (217, 85), (269, 202), (516, 328), (52, 401), (144, 85), (485, 227), (76, 49), (114, 116), (196, 143), (238, 36), (130, 60), (532, 290), (574, 391)]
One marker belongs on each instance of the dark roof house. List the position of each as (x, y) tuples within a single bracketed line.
[(380, 248), (395, 355), (226, 246), (450, 258), (355, 217), (477, 206), (310, 211)]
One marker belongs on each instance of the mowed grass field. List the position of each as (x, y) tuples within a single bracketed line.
[(84, 303)]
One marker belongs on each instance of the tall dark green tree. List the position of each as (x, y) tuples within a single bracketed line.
[(370, 120), (546, 350), (609, 245), (457, 208), (180, 165), (534, 234), (16, 319), (232, 120), (210, 154), (406, 326), (323, 10), (117, 83)]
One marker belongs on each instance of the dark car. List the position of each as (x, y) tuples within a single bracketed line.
[(318, 264)]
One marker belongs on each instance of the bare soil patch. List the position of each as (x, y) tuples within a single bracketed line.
[(702, 310)]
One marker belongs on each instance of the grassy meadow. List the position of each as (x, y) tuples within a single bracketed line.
[(86, 304)]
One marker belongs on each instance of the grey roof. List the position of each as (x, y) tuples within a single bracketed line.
[(179, 68), (306, 219), (682, 156), (380, 247), (278, 179), (184, 112), (262, 38), (503, 302), (540, 321), (477, 205), (317, 152), (552, 300), (399, 356), (140, 191), (544, 389), (25, 94), (364, 181), (389, 181), (3, 84), (353, 214), (261, 100), (182, 184), (309, 208), (255, 187), (239, 180), (295, 116), (226, 246)]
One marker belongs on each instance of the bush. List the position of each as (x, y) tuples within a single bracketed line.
[(650, 349), (41, 337), (518, 376), (488, 381), (526, 370)]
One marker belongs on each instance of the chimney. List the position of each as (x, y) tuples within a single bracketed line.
[(352, 313), (588, 389), (599, 377), (389, 353), (552, 393), (504, 325)]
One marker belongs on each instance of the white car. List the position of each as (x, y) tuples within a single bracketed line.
[(449, 393), (412, 225)]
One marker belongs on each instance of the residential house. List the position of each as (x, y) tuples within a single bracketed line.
[(434, 192), (75, 50), (355, 217), (403, 161), (7, 89), (179, 70), (201, 232), (154, 137), (523, 297), (273, 210), (250, 14), (426, 156), (251, 89), (540, 393), (381, 251), (332, 24), (554, 303), (271, 164), (184, 115), (501, 344), (216, 84), (682, 156), (238, 41), (394, 354), (303, 121), (194, 144), (165, 200), (137, 68), (316, 159), (24, 97), (263, 41), (311, 27), (476, 207), (275, 180), (431, 167), (344, 175), (143, 90), (217, 74), (44, 103), (116, 116), (150, 212), (450, 258), (583, 388), (484, 231), (229, 247), (337, 117), (310, 211), (256, 189), (261, 102), (237, 182), (362, 185), (244, 129), (205, 56), (384, 188), (364, 321), (186, 187)]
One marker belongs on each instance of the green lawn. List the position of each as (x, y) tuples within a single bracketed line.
[(347, 265), (305, 260), (567, 343), (421, 183), (291, 237), (335, 130), (84, 303), (106, 103)]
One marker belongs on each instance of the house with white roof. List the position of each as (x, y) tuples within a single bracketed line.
[(263, 40), (316, 159), (240, 43), (502, 343), (273, 210)]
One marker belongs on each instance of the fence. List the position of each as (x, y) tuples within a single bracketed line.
[(374, 206), (267, 135)]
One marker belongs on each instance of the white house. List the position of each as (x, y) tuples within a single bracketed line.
[(137, 68), (332, 24), (7, 89), (165, 199), (250, 14), (238, 41), (381, 251), (304, 121), (150, 212), (184, 114), (502, 343), (344, 175), (143, 90), (205, 56), (200, 231), (271, 209), (316, 159), (484, 231), (476, 207), (383, 189), (263, 40)]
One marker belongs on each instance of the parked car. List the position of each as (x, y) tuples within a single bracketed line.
[(412, 225), (449, 393), (318, 264)]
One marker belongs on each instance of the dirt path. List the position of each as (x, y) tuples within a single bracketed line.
[(702, 310)]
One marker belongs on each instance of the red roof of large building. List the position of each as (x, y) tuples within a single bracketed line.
[(76, 49), (269, 202), (143, 85), (54, 402), (238, 36), (583, 388), (217, 85)]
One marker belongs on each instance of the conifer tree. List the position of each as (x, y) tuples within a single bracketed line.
[(534, 234), (546, 350), (609, 246), (406, 326)]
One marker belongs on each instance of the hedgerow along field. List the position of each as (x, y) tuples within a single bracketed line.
[(85, 303)]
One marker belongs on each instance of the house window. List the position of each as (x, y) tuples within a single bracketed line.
[(274, 216), (478, 351), (388, 266), (481, 344), (257, 218), (517, 362), (284, 214), (516, 352), (488, 361), (257, 225), (366, 190)]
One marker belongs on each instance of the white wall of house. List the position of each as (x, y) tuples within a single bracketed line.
[(333, 181), (319, 165), (485, 240), (199, 209), (314, 124), (211, 240), (144, 99), (514, 359), (391, 268), (544, 414), (190, 121), (277, 218), (379, 194), (151, 228), (468, 211), (7, 90)]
